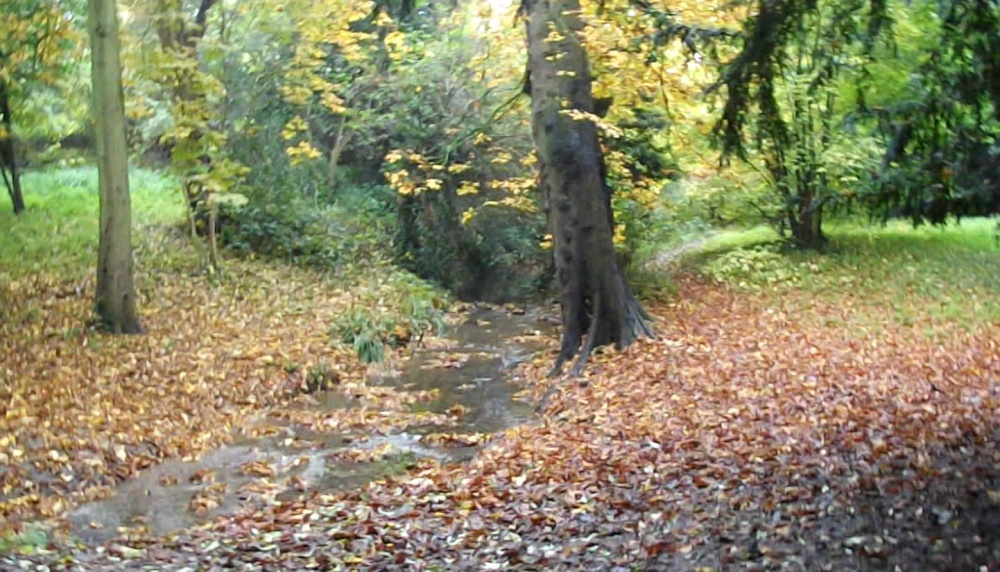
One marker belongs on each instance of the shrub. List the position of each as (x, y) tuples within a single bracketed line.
[(753, 266), (397, 322)]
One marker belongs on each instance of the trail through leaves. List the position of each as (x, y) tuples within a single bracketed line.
[(746, 437)]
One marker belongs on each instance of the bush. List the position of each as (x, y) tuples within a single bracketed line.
[(395, 322), (754, 266), (325, 236)]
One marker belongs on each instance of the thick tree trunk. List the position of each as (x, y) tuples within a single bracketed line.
[(594, 297), (8, 154), (115, 304)]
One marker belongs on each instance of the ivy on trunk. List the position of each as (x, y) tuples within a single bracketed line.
[(596, 302)]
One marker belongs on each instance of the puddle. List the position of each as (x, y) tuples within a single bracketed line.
[(468, 373)]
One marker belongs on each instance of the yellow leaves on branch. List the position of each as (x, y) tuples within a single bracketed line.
[(292, 129), (34, 37), (302, 152), (607, 127), (324, 28), (610, 35)]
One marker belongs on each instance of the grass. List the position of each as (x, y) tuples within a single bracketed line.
[(58, 233), (916, 275)]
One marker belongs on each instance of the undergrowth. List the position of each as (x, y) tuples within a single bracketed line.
[(56, 240)]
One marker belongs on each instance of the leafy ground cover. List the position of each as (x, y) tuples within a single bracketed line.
[(754, 434), (929, 276), (80, 411)]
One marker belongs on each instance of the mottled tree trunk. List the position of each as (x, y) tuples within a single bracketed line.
[(594, 297), (8, 154), (115, 304)]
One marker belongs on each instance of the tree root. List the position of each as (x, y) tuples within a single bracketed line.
[(588, 347)]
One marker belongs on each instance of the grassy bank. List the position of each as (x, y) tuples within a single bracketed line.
[(58, 233), (928, 275)]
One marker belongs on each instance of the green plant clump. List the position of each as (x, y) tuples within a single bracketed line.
[(754, 266), (370, 329)]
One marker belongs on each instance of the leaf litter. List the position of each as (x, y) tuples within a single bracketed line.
[(81, 412), (747, 436)]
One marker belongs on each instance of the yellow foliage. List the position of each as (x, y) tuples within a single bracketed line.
[(302, 152), (467, 188), (33, 42)]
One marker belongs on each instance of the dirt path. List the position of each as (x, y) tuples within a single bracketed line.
[(665, 259)]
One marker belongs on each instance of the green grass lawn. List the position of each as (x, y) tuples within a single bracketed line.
[(58, 233), (945, 274)]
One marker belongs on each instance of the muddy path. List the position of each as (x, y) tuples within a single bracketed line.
[(466, 371)]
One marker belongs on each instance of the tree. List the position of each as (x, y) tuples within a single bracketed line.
[(793, 53), (34, 37), (594, 297), (942, 154), (116, 304), (174, 73)]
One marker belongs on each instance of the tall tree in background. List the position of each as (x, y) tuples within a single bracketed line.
[(781, 99), (116, 303), (593, 294), (942, 153)]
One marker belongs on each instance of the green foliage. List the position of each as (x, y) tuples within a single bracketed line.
[(321, 378), (394, 321), (639, 161), (795, 58), (324, 236), (753, 266), (942, 152), (32, 539)]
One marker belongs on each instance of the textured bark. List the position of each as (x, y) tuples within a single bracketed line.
[(115, 300), (8, 154), (593, 295)]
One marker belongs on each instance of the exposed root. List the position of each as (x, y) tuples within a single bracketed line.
[(588, 347)]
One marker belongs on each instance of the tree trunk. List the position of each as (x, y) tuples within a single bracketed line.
[(807, 225), (115, 303), (8, 153), (593, 295)]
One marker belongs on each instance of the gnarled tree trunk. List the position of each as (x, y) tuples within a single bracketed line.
[(116, 304), (594, 297)]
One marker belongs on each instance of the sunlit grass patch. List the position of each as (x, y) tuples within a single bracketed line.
[(58, 233), (909, 275)]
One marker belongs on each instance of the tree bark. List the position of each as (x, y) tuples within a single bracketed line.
[(8, 153), (807, 224), (593, 295), (115, 300)]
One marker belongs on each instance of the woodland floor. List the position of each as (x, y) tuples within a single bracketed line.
[(842, 415), (764, 430)]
